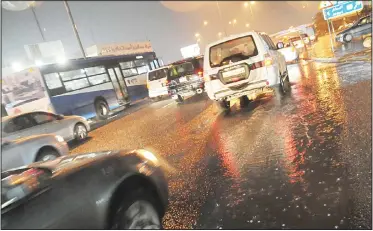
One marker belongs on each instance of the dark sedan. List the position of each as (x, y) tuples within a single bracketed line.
[(104, 190), (362, 27)]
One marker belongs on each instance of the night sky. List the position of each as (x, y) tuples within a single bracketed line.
[(168, 25)]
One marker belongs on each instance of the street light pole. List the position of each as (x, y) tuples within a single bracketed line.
[(74, 28), (221, 18), (37, 22)]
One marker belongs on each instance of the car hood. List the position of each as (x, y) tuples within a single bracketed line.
[(76, 160)]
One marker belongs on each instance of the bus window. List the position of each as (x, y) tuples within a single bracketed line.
[(95, 70), (129, 72), (53, 81), (70, 75), (140, 62), (152, 65), (156, 63), (142, 69), (98, 79), (76, 84), (126, 65)]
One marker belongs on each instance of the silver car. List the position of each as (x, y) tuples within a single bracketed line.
[(24, 151), (39, 122)]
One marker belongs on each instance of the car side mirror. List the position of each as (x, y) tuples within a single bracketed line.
[(60, 117), (280, 45)]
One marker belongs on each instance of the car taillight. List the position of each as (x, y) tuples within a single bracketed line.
[(200, 74), (208, 78), (268, 61)]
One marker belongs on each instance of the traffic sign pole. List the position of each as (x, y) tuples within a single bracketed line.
[(331, 39)]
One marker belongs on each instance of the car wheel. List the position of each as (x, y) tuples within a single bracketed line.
[(138, 210), (102, 109), (80, 132), (224, 105), (347, 38), (47, 154), (179, 99), (244, 101), (284, 87)]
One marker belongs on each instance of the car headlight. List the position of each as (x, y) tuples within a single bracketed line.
[(59, 138)]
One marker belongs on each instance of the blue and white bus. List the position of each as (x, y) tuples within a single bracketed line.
[(87, 87)]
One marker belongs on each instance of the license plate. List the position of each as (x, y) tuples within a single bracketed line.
[(234, 72), (182, 79)]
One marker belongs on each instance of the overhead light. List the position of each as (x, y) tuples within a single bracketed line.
[(139, 57), (205, 23), (16, 66), (39, 63), (61, 60)]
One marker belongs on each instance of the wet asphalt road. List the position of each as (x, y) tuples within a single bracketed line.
[(296, 162)]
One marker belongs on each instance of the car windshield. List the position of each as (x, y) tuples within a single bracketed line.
[(158, 74), (178, 70), (244, 47)]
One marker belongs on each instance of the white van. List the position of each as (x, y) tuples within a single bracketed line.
[(240, 65), (157, 83)]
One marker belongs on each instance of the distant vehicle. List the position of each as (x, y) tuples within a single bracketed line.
[(157, 83), (185, 78), (362, 27), (102, 190), (24, 151), (289, 51), (299, 43), (305, 38), (241, 65), (89, 87), (39, 122)]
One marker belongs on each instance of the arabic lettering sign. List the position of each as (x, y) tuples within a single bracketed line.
[(342, 8), (125, 49)]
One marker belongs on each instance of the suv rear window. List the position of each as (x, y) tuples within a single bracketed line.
[(239, 48), (179, 70), (158, 74)]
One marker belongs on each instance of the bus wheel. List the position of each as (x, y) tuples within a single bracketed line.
[(102, 110)]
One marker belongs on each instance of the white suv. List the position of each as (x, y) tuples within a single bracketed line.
[(241, 65)]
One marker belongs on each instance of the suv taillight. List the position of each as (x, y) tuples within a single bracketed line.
[(208, 78), (268, 61)]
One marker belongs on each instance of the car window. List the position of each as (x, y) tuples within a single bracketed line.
[(158, 74), (42, 117), (18, 123), (243, 47)]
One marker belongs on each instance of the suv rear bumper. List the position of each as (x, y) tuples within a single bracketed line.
[(251, 89)]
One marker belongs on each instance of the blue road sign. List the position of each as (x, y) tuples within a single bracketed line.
[(342, 8)]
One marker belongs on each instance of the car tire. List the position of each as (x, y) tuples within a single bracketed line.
[(80, 132), (179, 99), (224, 105), (46, 154), (244, 101), (145, 208), (347, 38), (284, 87), (102, 110)]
